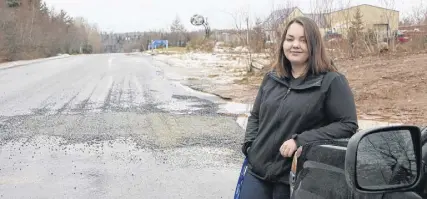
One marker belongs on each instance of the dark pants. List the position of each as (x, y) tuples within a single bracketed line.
[(254, 188)]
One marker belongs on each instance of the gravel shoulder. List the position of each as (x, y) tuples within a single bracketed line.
[(388, 88)]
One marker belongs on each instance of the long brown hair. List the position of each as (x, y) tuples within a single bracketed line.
[(318, 61)]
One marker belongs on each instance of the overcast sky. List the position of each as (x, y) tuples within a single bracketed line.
[(143, 15)]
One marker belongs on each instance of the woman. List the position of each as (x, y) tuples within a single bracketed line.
[(303, 99)]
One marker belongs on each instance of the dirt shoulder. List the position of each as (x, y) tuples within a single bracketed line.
[(387, 88)]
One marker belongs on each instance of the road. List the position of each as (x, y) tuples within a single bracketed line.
[(112, 126)]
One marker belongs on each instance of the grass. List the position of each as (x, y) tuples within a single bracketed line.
[(169, 50)]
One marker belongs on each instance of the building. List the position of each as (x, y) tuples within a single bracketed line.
[(381, 20), (275, 22)]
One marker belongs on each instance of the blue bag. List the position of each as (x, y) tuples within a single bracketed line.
[(240, 180)]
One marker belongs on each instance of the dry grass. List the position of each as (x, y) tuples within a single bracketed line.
[(170, 50)]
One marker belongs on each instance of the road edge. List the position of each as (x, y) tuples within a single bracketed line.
[(28, 62)]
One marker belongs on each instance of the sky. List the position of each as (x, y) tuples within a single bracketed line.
[(146, 15)]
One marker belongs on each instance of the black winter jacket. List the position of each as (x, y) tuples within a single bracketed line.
[(316, 108)]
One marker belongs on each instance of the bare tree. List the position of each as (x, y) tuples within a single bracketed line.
[(389, 156), (344, 26), (320, 10), (276, 21), (320, 13), (243, 28), (274, 26), (250, 61), (258, 36), (419, 14), (406, 21), (178, 32), (240, 18), (94, 38), (389, 5)]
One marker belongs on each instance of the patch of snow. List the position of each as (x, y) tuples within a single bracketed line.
[(242, 121), (26, 62)]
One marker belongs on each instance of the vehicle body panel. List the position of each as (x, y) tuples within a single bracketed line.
[(320, 173), (423, 184)]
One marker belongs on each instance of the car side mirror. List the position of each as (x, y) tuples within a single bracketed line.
[(384, 159)]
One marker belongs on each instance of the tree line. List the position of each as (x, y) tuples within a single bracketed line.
[(30, 29)]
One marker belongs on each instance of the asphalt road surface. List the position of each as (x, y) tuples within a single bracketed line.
[(112, 126)]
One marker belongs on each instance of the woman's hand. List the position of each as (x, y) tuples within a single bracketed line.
[(288, 148)]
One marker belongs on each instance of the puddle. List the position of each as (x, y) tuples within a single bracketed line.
[(199, 94)]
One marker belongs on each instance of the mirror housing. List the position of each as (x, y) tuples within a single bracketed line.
[(378, 158)]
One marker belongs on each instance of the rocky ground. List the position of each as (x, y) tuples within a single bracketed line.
[(390, 87)]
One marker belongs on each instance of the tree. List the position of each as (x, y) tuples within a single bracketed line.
[(389, 156), (320, 10), (357, 23), (356, 31), (178, 31), (13, 3), (419, 14), (406, 21), (177, 26), (273, 27), (258, 38), (389, 5), (35, 31)]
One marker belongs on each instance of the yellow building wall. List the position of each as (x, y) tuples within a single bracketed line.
[(371, 15)]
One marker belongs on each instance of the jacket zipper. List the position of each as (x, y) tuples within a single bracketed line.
[(287, 92), (280, 109)]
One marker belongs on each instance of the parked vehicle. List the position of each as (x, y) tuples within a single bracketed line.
[(401, 37), (332, 36), (385, 162)]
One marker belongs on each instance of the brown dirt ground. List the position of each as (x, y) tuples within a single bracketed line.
[(389, 87)]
